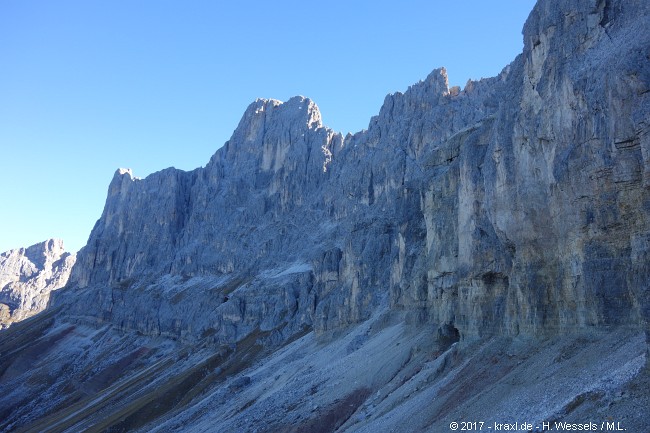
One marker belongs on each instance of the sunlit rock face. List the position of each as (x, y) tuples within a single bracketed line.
[(516, 205), (491, 242), (28, 275)]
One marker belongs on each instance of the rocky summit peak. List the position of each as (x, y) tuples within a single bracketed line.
[(307, 109), (121, 178), (298, 111), (124, 171), (270, 131), (50, 246), (28, 275), (438, 81)]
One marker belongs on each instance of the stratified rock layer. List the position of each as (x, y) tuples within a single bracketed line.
[(28, 275)]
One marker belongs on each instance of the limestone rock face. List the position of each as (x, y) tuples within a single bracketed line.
[(28, 275), (518, 205)]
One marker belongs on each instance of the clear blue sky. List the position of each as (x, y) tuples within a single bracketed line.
[(89, 86)]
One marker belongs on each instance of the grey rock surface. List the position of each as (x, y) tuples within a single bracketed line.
[(518, 205), (494, 239), (28, 275)]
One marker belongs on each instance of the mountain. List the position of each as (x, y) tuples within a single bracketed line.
[(28, 275), (474, 255)]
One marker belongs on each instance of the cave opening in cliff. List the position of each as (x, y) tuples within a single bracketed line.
[(448, 334)]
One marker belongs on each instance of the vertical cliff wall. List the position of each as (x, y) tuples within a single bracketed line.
[(519, 204)]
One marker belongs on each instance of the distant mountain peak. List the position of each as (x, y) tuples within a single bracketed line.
[(28, 275)]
